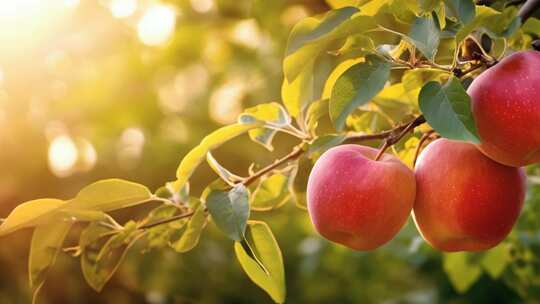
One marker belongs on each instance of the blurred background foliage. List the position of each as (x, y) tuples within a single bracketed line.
[(91, 89)]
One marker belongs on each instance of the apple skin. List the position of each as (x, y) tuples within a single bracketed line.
[(506, 108), (465, 201), (356, 201)]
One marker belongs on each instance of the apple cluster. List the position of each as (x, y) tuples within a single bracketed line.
[(463, 197)]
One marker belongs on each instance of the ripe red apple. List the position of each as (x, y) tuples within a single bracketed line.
[(506, 108), (357, 201), (465, 200)]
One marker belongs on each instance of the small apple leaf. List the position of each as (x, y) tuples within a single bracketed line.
[(495, 260), (425, 35), (100, 261), (264, 264), (160, 236), (271, 113), (109, 194), (272, 191), (462, 11), (190, 237), (315, 112), (30, 214), (460, 271), (358, 85), (215, 139), (46, 242), (229, 210), (447, 109)]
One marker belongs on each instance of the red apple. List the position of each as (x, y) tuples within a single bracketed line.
[(465, 200), (356, 201), (506, 108)]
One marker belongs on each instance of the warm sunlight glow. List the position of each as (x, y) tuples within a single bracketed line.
[(202, 6), (27, 23), (62, 155), (123, 8), (226, 102), (156, 25)]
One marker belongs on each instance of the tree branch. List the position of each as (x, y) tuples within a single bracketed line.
[(528, 9)]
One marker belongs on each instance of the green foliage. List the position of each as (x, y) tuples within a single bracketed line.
[(461, 272), (351, 69), (425, 35), (100, 261), (462, 11), (272, 115), (30, 214), (196, 223), (447, 109), (358, 85), (273, 191), (264, 264), (47, 241), (108, 195), (190, 162), (229, 210)]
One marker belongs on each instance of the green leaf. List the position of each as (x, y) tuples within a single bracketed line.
[(272, 115), (109, 194), (190, 162), (493, 22), (195, 226), (160, 236), (460, 271), (272, 191), (311, 29), (46, 242), (30, 214), (229, 210), (323, 143), (425, 36), (342, 3), (462, 11), (315, 112), (297, 94), (495, 260), (448, 110), (299, 179), (311, 36), (225, 174), (100, 261), (264, 246), (358, 85)]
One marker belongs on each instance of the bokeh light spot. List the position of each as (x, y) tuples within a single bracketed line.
[(156, 26)]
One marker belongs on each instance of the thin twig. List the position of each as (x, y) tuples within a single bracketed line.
[(423, 139), (528, 9), (167, 220), (397, 136)]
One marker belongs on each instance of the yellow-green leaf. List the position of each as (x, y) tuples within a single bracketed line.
[(30, 214), (190, 162), (196, 224), (109, 194), (46, 242), (264, 246), (272, 191), (495, 260), (460, 271), (100, 261)]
